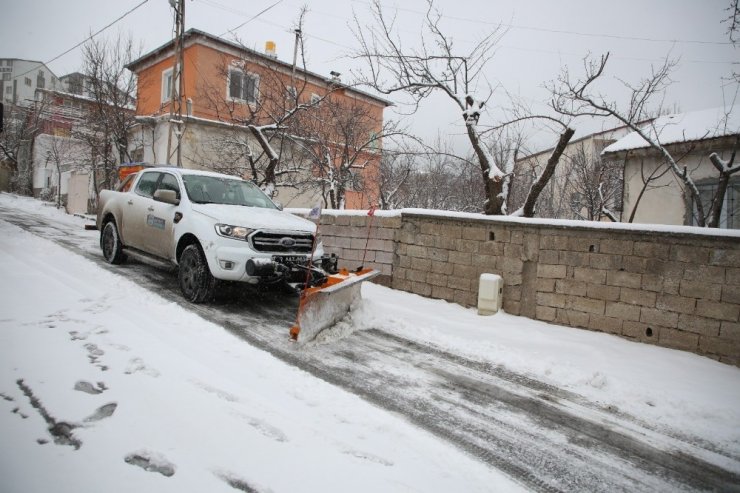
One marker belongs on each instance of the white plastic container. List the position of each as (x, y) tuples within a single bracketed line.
[(490, 294)]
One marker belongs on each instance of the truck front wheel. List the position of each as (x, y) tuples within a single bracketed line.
[(196, 282)]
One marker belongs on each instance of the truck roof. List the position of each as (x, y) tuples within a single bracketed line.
[(188, 171)]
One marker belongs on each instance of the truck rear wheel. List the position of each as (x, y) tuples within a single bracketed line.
[(196, 282), (110, 243)]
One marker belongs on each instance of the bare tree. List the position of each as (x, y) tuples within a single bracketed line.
[(733, 21), (110, 116), (260, 137), (437, 67), (396, 169), (440, 179), (61, 154), (578, 97), (595, 185), (21, 125), (341, 140)]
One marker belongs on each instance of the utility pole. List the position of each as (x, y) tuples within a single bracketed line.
[(295, 61), (178, 82)]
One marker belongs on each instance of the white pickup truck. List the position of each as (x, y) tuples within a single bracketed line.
[(213, 227)]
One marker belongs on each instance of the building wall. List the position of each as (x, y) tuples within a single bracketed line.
[(666, 202), (19, 79), (205, 96), (677, 288), (71, 153)]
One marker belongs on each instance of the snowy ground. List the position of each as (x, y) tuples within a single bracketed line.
[(106, 386)]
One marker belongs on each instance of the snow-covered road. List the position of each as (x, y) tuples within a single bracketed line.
[(543, 435)]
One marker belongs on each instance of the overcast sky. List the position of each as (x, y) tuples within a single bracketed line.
[(543, 36)]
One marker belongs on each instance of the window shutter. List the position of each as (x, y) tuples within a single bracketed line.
[(249, 89)]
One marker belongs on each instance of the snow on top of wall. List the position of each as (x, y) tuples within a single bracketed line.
[(536, 221), (684, 127)]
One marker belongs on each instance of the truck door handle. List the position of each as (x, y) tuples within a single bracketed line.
[(150, 209), (130, 202)]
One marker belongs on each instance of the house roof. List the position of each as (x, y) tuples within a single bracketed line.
[(194, 34), (692, 126), (594, 135)]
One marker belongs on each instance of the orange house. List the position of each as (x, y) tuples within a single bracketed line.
[(225, 88)]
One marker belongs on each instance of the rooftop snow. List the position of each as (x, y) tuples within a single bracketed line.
[(684, 127)]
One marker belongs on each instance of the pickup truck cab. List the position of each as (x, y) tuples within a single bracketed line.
[(212, 226)]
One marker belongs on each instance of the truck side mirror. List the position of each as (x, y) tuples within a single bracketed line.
[(166, 196)]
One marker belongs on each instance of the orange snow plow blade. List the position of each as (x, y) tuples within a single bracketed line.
[(324, 305)]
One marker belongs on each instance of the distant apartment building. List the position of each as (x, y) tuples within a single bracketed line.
[(19, 80)]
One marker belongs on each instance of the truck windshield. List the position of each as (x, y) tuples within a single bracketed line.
[(203, 189)]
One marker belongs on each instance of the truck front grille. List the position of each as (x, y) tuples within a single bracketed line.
[(265, 241)]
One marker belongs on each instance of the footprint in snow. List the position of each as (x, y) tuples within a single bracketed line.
[(368, 457), (237, 483), (136, 365), (89, 388), (267, 430), (221, 394), (151, 461), (264, 428), (93, 353), (76, 336), (102, 412)]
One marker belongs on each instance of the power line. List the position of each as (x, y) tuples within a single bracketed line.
[(560, 31), (215, 4), (85, 40), (252, 18)]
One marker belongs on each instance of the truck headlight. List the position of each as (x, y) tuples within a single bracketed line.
[(236, 232)]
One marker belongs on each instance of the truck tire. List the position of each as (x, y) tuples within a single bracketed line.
[(110, 243), (196, 282)]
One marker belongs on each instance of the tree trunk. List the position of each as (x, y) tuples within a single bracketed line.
[(494, 188), (725, 171), (537, 187)]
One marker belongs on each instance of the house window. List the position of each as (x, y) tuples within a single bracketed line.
[(730, 215), (28, 81), (6, 76), (315, 98), (40, 80), (291, 93), (243, 86), (167, 84), (374, 141)]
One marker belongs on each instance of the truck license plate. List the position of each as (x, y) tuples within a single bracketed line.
[(290, 259)]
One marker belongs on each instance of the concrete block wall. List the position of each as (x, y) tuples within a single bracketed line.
[(346, 234), (677, 288)]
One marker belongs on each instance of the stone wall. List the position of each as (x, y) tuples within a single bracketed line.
[(348, 236), (673, 287)]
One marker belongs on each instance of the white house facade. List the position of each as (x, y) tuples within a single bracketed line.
[(19, 79)]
